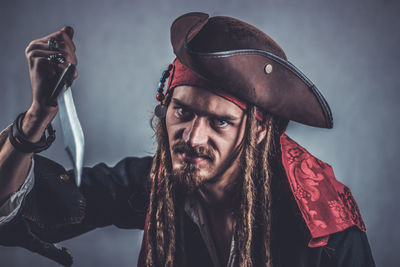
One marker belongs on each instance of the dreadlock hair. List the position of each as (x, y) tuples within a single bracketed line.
[(162, 224), (252, 216)]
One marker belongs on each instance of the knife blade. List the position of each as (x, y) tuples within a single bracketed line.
[(74, 140)]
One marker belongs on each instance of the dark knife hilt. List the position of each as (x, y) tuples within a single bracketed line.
[(66, 78)]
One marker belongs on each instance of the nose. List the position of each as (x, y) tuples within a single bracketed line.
[(196, 133)]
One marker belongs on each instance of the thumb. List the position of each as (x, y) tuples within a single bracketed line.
[(69, 31)]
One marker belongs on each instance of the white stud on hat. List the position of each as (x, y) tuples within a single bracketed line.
[(268, 68)]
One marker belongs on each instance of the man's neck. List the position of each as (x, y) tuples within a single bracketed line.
[(218, 202), (220, 195)]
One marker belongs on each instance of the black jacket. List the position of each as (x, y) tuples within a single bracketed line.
[(57, 210)]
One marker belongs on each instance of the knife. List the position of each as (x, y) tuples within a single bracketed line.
[(74, 140)]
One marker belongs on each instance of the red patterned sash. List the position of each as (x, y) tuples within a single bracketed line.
[(327, 206)]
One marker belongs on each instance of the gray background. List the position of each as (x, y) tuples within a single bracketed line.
[(348, 48)]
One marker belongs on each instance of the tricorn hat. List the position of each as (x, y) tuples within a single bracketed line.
[(245, 62)]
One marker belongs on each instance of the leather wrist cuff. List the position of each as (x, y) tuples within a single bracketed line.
[(20, 141)]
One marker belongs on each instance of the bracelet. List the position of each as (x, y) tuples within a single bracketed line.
[(20, 141)]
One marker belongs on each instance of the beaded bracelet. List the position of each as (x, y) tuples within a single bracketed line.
[(20, 141)]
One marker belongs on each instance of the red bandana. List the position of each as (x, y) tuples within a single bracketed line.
[(182, 75)]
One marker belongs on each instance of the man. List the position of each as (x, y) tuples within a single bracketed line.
[(226, 186)]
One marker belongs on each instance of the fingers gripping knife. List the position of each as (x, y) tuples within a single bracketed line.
[(72, 131)]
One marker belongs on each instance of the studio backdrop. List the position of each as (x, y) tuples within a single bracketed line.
[(349, 49)]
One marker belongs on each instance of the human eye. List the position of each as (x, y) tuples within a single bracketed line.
[(181, 112), (218, 123)]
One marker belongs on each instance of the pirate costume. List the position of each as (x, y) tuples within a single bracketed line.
[(316, 221)]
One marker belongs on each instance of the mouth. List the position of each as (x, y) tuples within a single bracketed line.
[(193, 155), (193, 158)]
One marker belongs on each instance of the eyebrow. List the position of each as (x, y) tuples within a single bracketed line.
[(224, 117)]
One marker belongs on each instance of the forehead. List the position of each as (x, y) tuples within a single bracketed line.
[(205, 101)]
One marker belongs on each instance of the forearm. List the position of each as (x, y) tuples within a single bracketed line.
[(10, 208), (14, 165), (43, 72)]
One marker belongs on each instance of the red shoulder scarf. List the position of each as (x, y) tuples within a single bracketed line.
[(327, 206)]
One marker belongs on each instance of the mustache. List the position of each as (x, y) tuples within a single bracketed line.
[(198, 151)]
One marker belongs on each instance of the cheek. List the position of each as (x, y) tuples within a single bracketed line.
[(169, 123), (168, 117), (174, 126), (228, 144), (223, 147)]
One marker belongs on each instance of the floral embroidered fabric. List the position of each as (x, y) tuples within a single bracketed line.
[(327, 206)]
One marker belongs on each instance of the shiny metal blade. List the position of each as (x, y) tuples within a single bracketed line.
[(74, 140)]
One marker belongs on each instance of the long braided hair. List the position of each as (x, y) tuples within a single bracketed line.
[(252, 230)]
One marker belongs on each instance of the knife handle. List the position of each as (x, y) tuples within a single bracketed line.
[(66, 78)]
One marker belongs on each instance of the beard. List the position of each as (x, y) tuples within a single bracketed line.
[(187, 178)]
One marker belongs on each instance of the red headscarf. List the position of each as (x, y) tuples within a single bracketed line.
[(182, 75)]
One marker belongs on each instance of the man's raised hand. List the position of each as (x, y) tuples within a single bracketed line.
[(45, 71)]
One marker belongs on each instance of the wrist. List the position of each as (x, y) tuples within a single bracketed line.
[(28, 144), (36, 120), (40, 113)]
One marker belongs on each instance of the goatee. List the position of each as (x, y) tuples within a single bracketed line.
[(187, 178)]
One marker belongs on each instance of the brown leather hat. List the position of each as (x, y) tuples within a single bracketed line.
[(247, 63)]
